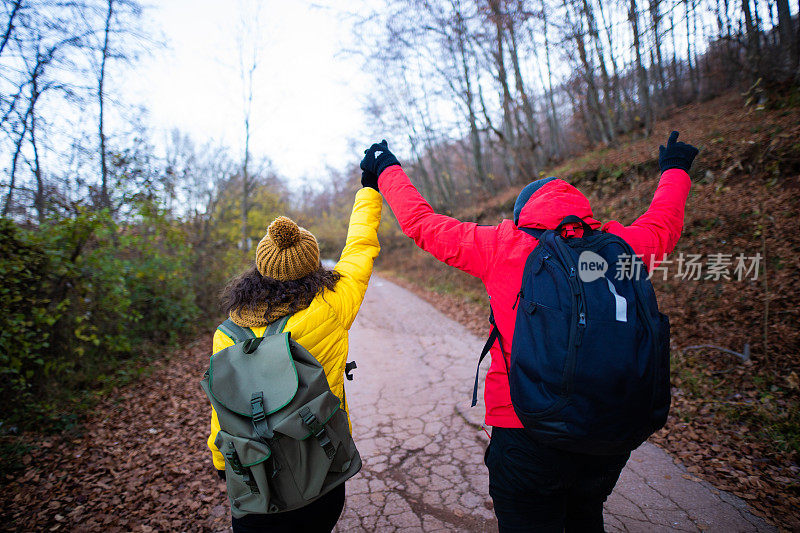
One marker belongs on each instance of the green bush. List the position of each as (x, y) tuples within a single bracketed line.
[(26, 325), (84, 295)]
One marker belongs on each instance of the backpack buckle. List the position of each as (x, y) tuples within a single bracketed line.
[(236, 465), (233, 459), (318, 430), (259, 416), (257, 407)]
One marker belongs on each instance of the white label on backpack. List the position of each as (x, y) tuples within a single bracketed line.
[(620, 302)]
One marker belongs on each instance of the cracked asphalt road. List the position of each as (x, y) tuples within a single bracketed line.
[(422, 445)]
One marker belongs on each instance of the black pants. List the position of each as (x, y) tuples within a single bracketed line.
[(539, 488), (320, 516)]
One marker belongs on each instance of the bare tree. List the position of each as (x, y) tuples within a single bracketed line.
[(101, 98), (655, 19), (26, 125), (529, 125), (508, 140), (12, 15), (597, 68), (20, 139), (788, 36), (248, 63), (474, 135), (39, 195), (641, 74), (752, 34), (113, 36), (554, 122)]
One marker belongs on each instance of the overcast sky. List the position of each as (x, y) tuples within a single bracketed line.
[(308, 95)]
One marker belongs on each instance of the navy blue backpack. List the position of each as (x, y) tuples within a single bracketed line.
[(589, 368)]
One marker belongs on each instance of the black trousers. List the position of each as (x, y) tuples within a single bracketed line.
[(320, 516), (538, 488)]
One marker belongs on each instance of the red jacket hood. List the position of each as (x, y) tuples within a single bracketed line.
[(548, 206)]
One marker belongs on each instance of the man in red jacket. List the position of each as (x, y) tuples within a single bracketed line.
[(534, 487)]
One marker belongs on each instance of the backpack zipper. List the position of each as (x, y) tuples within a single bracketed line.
[(578, 287), (578, 292), (574, 332)]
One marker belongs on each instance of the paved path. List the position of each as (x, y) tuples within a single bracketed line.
[(423, 447)]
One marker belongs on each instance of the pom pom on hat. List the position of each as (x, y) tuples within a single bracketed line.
[(284, 232), (287, 252)]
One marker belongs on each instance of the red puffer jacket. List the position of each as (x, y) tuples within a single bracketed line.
[(497, 254)]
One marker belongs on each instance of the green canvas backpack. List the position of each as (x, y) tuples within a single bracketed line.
[(283, 433)]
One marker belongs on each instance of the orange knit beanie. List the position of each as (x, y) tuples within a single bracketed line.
[(287, 252)]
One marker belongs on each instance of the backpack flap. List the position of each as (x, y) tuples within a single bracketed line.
[(323, 407), (249, 452), (238, 371)]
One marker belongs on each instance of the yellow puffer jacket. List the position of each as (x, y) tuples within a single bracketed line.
[(322, 327)]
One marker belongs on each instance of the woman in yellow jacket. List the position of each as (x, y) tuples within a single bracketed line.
[(288, 279)]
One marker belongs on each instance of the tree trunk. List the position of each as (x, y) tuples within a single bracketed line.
[(440, 171), (246, 188), (491, 127), (615, 86), (38, 200), (605, 109), (247, 81), (14, 160), (555, 128), (527, 109), (674, 83), (508, 140), (641, 75), (655, 17), (752, 45), (787, 33), (474, 135), (10, 26), (104, 196), (425, 178), (691, 56), (595, 114)]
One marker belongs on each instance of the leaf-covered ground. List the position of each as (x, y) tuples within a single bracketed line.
[(139, 464)]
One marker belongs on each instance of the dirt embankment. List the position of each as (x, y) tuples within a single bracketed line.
[(737, 425)]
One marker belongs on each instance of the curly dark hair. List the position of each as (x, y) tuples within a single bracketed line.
[(251, 289)]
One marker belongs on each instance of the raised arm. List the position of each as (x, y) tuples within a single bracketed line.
[(360, 250), (656, 232), (464, 245)]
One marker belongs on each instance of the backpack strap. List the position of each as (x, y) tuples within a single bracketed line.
[(533, 232), (257, 411), (236, 332), (493, 336), (273, 328), (318, 430)]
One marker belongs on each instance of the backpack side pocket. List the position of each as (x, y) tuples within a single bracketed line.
[(247, 472)]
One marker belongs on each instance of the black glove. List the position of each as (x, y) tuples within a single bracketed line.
[(676, 154), (377, 158), (368, 179), (221, 474)]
